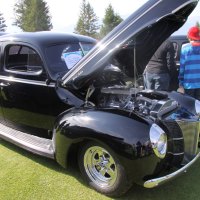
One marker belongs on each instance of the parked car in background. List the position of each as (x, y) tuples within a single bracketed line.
[(178, 41), (61, 95)]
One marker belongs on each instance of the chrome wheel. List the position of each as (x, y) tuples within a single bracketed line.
[(100, 166)]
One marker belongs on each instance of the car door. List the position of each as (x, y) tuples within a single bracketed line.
[(25, 98)]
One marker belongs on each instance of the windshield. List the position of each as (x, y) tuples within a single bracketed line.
[(86, 47), (62, 57)]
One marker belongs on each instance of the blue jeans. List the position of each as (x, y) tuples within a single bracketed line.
[(157, 81)]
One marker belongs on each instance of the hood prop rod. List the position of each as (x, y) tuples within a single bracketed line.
[(135, 70)]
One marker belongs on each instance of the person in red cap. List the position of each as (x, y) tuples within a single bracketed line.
[(189, 73)]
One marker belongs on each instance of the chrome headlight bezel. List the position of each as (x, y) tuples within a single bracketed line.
[(158, 139)]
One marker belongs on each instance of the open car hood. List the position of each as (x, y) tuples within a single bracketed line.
[(133, 42)]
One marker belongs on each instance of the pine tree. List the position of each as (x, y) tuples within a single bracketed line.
[(110, 21), (2, 23), (32, 15), (88, 22)]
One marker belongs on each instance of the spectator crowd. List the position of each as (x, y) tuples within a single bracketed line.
[(160, 70)]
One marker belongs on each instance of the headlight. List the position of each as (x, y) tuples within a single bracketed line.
[(197, 106), (158, 140)]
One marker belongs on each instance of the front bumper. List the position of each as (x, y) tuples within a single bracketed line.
[(158, 181)]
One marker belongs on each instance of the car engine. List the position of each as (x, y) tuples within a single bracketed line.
[(113, 89), (147, 103)]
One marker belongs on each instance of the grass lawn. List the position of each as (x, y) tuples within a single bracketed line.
[(24, 176)]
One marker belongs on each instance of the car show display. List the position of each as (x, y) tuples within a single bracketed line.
[(65, 93)]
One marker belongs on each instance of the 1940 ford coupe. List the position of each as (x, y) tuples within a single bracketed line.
[(62, 93)]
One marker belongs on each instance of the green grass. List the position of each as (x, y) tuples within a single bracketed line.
[(24, 176)]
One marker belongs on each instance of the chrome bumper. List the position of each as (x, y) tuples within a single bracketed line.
[(158, 181)]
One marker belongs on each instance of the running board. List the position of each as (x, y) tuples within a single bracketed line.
[(34, 144)]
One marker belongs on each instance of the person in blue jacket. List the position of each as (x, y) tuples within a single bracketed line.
[(189, 73)]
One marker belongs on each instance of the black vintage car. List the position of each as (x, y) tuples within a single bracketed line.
[(120, 134)]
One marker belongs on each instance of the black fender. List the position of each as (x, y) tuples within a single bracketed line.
[(127, 135)]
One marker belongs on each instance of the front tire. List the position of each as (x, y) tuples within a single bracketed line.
[(102, 170)]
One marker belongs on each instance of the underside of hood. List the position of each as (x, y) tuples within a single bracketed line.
[(131, 44)]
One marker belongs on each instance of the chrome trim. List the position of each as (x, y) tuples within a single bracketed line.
[(177, 9), (158, 136), (40, 146), (183, 5), (175, 154), (177, 138), (190, 131), (158, 181), (28, 73), (100, 166), (197, 106), (32, 82)]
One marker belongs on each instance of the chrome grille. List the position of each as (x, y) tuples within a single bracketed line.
[(190, 131), (175, 152)]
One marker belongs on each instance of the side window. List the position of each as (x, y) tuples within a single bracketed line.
[(21, 59), (71, 55)]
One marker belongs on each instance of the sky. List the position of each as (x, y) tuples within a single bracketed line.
[(65, 13)]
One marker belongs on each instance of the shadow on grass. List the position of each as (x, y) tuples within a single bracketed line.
[(72, 169), (184, 187)]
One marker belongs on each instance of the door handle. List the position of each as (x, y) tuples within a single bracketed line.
[(4, 84)]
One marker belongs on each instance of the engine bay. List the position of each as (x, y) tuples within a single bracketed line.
[(146, 103), (115, 90)]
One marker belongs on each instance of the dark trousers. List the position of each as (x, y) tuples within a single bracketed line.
[(156, 81), (193, 92)]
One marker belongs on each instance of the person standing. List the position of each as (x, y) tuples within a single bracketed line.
[(189, 73), (160, 68)]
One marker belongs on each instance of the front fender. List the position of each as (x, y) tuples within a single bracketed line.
[(126, 135)]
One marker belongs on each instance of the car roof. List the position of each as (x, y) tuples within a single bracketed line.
[(179, 37), (46, 38)]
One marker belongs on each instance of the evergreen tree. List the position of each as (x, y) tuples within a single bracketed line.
[(198, 24), (32, 15), (88, 22), (110, 21), (2, 23)]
